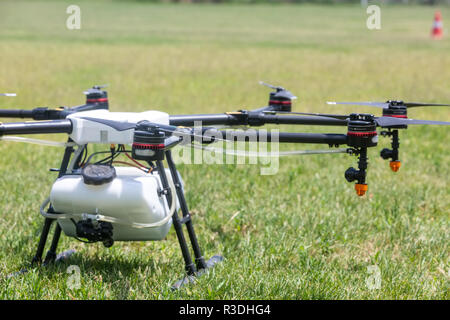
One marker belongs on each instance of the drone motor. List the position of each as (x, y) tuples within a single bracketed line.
[(396, 109), (279, 102), (97, 96), (362, 131), (150, 142)]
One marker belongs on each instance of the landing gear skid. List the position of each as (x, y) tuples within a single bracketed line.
[(191, 278), (64, 255), (59, 258), (193, 268), (200, 266)]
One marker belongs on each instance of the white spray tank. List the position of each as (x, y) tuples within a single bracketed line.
[(132, 202)]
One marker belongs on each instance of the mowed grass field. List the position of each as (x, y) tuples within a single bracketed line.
[(300, 234)]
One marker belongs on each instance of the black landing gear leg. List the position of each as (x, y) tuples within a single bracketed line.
[(200, 264), (51, 254)]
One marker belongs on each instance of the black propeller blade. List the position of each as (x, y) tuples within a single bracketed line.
[(390, 121), (95, 89), (325, 115), (368, 103), (381, 121), (391, 103), (271, 86), (419, 104), (280, 91)]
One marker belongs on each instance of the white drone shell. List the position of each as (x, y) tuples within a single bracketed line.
[(88, 131)]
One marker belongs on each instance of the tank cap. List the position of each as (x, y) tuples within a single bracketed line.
[(98, 174)]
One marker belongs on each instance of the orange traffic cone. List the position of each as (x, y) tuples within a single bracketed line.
[(436, 33)]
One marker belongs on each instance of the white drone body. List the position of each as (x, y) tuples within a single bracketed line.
[(88, 131)]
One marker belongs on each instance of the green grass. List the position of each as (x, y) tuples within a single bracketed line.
[(301, 234)]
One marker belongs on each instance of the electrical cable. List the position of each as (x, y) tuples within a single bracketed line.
[(38, 141), (137, 162), (134, 166), (265, 154)]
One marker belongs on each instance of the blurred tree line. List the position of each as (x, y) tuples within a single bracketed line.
[(425, 2)]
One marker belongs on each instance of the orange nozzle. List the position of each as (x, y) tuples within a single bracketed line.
[(360, 189), (395, 165)]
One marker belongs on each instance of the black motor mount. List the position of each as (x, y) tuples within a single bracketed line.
[(362, 131), (150, 142), (392, 154), (361, 134), (97, 96), (280, 102), (396, 109), (280, 99)]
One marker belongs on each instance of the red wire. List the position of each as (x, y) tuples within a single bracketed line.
[(132, 165), (138, 163)]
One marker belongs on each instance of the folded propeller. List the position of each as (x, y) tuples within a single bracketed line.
[(95, 90), (384, 121), (391, 103), (280, 92)]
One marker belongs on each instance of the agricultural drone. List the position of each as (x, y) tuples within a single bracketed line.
[(108, 200)]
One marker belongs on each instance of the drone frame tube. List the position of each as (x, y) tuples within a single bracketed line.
[(36, 127), (16, 113), (251, 118), (289, 137), (44, 113)]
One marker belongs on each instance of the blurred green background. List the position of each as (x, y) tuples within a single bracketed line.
[(301, 234)]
